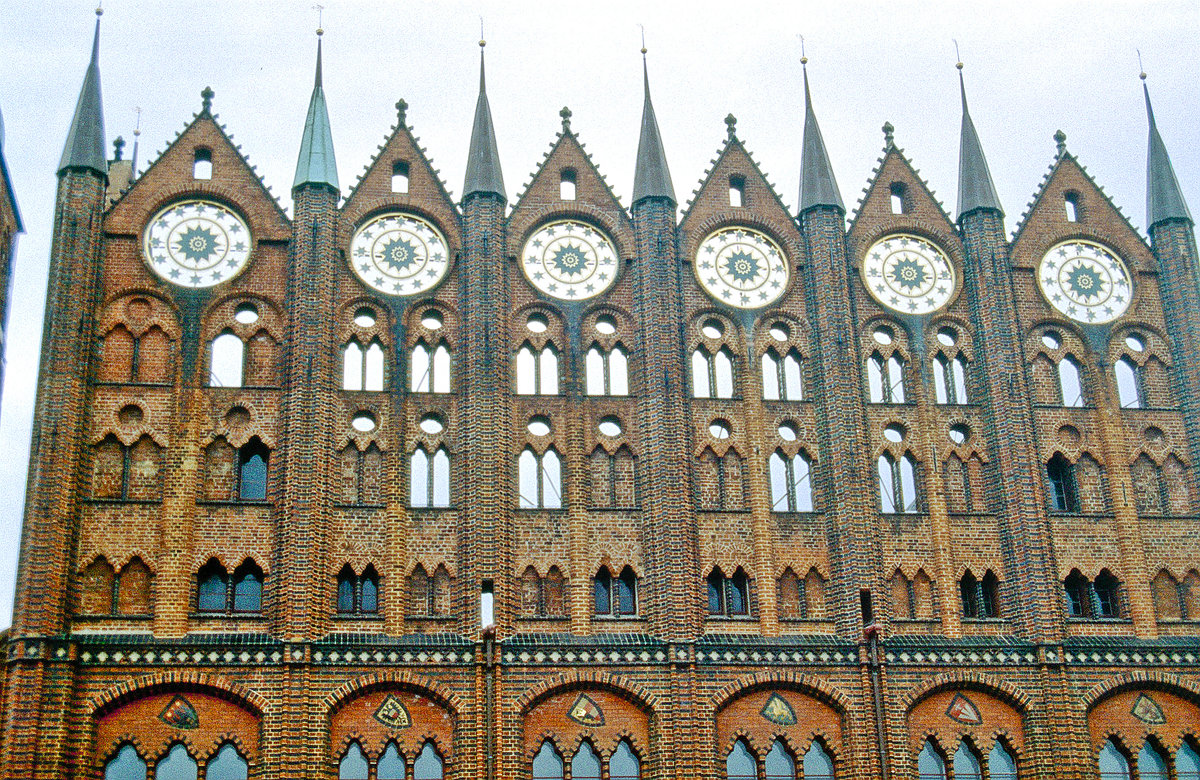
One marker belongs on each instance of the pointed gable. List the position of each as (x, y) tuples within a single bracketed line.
[(234, 182), (593, 200), (712, 204), (1046, 221), (426, 193), (920, 212)]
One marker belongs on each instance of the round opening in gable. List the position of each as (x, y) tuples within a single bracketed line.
[(363, 422), (246, 313), (364, 317)]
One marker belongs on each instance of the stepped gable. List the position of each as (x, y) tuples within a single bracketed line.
[(427, 194), (594, 199), (234, 182), (922, 213), (1045, 223), (710, 205)]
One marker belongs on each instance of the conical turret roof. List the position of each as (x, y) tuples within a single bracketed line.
[(317, 164), (483, 157), (818, 187), (1164, 199), (651, 177), (85, 142), (975, 187)]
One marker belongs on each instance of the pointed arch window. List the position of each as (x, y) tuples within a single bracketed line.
[(740, 763), (1070, 383), (966, 763), (1129, 383), (930, 764), (1112, 762), (624, 763), (247, 588), (712, 375), (228, 764), (1151, 763), (980, 597), (585, 764), (428, 764), (1107, 595), (227, 360), (1187, 762), (213, 587), (391, 764), (178, 764), (885, 379), (126, 473), (950, 379), (357, 595), (779, 763), (818, 764), (429, 479), (548, 763), (782, 378), (897, 484), (253, 458), (537, 370), (539, 478), (728, 596), (791, 482), (1078, 593), (125, 765), (615, 596), (362, 369), (353, 765), (1064, 492), (607, 372), (430, 368), (1001, 763)]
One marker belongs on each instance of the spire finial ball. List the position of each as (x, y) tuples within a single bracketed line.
[(320, 31), (482, 43), (804, 60), (1142, 75), (643, 50), (958, 65), (99, 11)]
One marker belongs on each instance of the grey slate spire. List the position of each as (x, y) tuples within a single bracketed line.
[(818, 187), (651, 177), (85, 142), (316, 164), (1164, 199), (975, 187), (483, 158)]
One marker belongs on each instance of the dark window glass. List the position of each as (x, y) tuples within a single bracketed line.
[(252, 474), (627, 592), (369, 597), (1064, 496), (213, 588), (247, 589), (603, 591)]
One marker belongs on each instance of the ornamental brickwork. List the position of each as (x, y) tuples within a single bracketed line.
[(288, 525)]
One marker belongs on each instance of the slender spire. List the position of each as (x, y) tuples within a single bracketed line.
[(975, 187), (818, 187), (651, 177), (317, 164), (483, 157), (1164, 199), (85, 142)]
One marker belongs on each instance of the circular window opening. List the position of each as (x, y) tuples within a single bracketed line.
[(237, 417), (130, 414), (959, 433), (1051, 339), (719, 429), (246, 313), (1069, 435), (947, 336), (364, 317), (539, 426), (609, 426), (537, 323), (788, 431), (712, 329), (363, 422), (780, 332), (1154, 435), (606, 325), (894, 433), (1134, 342), (883, 335), (432, 320), (432, 423)]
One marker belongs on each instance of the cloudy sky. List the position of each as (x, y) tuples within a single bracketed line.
[(1031, 68)]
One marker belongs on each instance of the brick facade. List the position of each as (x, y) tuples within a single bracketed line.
[(852, 636)]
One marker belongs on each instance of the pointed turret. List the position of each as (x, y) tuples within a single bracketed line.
[(85, 142), (483, 158), (818, 187), (651, 177), (1164, 199), (975, 187), (317, 164)]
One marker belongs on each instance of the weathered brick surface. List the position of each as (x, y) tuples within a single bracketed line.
[(134, 472)]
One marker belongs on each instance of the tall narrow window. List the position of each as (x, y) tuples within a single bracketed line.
[(740, 763), (247, 588), (539, 479), (252, 471), (607, 372), (226, 361), (1128, 383), (1001, 764), (1112, 762), (1064, 494), (352, 367), (930, 764), (228, 764), (586, 764), (897, 191), (1151, 763), (818, 764), (353, 765), (624, 764), (213, 587), (547, 764), (779, 763), (950, 379), (125, 765), (400, 177), (966, 763), (1078, 592), (737, 191), (968, 586), (897, 484), (178, 764), (1069, 384), (202, 166), (566, 185), (791, 483), (989, 595), (1107, 595), (1071, 206)]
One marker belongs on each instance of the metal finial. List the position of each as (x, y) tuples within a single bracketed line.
[(566, 119), (482, 40), (100, 8), (957, 56), (320, 19), (401, 110), (803, 56), (206, 95), (1060, 138), (1142, 73), (731, 126), (889, 140), (643, 28), (118, 147), (137, 128)]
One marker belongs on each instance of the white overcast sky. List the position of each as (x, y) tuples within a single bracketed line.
[(1031, 68)]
